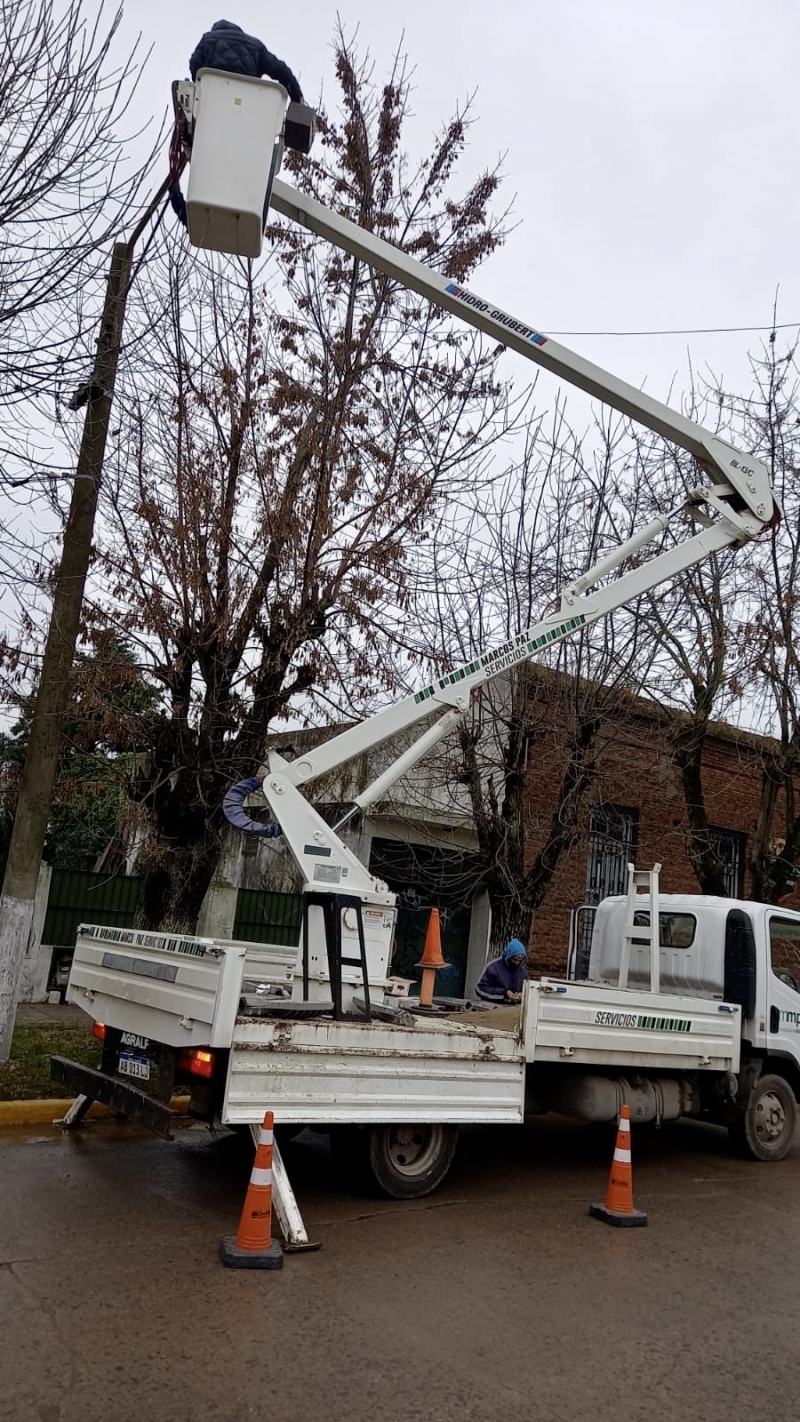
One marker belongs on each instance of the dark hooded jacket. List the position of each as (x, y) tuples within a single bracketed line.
[(226, 46), (501, 976)]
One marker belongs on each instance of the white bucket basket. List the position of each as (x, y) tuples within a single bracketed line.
[(238, 123)]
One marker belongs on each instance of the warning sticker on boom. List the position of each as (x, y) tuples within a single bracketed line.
[(327, 873)]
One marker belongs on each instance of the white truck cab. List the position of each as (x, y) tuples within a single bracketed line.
[(733, 950)]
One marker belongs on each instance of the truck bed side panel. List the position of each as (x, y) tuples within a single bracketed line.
[(605, 1026), (326, 1072)]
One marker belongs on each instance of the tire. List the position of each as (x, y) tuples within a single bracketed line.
[(766, 1128), (407, 1162)]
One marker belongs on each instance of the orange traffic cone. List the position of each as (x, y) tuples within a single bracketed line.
[(431, 959), (618, 1208), (253, 1246)]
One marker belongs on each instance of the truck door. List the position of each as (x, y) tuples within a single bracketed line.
[(783, 984)]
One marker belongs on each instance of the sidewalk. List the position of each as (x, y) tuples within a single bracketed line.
[(60, 1014)]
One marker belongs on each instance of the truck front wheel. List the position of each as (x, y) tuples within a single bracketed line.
[(765, 1130)]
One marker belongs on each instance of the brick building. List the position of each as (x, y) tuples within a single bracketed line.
[(422, 841), (636, 811)]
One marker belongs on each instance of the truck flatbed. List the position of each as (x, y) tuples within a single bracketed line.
[(468, 1067)]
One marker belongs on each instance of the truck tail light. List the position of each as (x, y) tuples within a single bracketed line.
[(99, 1031), (196, 1062)]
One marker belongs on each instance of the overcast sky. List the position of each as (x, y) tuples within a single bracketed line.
[(650, 149)]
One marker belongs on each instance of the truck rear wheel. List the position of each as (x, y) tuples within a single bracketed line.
[(766, 1127), (407, 1162)]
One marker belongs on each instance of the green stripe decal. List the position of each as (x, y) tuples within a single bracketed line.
[(502, 657), (664, 1024)]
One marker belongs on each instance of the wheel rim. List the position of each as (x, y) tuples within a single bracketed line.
[(770, 1118), (412, 1150)]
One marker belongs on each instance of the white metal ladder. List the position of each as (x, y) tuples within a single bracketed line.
[(641, 904)]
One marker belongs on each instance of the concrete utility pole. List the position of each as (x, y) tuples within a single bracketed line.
[(41, 761)]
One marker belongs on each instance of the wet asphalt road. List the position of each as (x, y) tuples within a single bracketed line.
[(496, 1298)]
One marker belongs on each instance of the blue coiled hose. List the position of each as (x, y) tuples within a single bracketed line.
[(234, 811)]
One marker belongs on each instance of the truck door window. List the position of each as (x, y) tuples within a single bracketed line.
[(675, 930), (784, 948)]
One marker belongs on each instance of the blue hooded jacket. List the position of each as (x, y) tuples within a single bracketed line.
[(226, 46), (500, 977)]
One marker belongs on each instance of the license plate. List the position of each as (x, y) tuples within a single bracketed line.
[(138, 1067)]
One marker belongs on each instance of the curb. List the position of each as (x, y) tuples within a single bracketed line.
[(45, 1113)]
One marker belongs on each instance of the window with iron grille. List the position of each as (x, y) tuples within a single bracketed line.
[(612, 847), (729, 846), (612, 836)]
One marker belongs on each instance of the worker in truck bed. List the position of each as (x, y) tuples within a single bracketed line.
[(503, 980)]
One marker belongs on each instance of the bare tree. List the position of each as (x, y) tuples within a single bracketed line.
[(726, 629), (549, 520), (281, 460), (61, 196), (694, 622), (771, 677), (67, 181)]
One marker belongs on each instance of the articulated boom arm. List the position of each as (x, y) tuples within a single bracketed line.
[(747, 476), (738, 504)]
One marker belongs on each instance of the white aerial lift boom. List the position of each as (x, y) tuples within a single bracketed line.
[(732, 502)]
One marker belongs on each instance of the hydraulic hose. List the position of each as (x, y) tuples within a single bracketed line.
[(234, 811)]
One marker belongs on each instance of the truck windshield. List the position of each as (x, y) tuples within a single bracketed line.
[(784, 948)]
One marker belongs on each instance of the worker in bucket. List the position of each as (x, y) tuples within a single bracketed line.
[(503, 979), (226, 46)]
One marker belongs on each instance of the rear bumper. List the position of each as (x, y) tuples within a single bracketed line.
[(133, 1103)]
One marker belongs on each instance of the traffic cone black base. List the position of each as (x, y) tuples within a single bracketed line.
[(235, 1258), (635, 1219), (618, 1208)]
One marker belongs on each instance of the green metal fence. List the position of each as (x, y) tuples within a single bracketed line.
[(76, 898), (263, 917)]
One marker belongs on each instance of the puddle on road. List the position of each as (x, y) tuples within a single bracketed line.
[(105, 1128)]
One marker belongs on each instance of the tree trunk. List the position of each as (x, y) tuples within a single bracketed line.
[(579, 774), (708, 867), (762, 861), (774, 874), (515, 894), (510, 919), (175, 881)]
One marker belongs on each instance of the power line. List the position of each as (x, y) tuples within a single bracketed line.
[(691, 331)]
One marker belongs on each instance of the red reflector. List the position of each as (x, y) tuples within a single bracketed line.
[(99, 1031), (196, 1062)]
